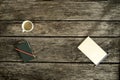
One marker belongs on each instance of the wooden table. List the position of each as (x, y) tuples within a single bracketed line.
[(60, 26)]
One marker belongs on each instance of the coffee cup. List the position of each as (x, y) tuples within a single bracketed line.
[(27, 26)]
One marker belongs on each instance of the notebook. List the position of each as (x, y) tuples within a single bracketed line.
[(24, 51), (92, 50)]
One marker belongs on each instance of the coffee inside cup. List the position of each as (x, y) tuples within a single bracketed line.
[(27, 26)]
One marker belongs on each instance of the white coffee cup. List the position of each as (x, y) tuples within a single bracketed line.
[(27, 26)]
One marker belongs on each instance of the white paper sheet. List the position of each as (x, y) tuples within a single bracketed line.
[(94, 52)]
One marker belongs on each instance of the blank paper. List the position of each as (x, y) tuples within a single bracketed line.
[(94, 52)]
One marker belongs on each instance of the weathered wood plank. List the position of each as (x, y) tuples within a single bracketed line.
[(42, 71), (58, 49), (59, 10), (62, 28)]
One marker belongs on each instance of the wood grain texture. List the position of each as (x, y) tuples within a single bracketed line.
[(42, 71), (59, 10), (58, 49), (62, 28)]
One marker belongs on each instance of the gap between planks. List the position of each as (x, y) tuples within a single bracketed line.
[(47, 62), (60, 36)]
